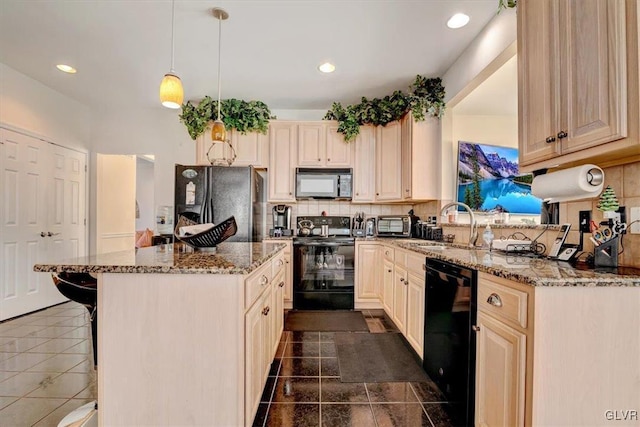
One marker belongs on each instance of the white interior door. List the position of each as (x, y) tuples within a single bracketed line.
[(115, 203), (32, 212)]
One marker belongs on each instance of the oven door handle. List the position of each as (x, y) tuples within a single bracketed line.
[(327, 244)]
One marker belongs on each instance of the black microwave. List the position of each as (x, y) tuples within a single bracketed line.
[(325, 183)]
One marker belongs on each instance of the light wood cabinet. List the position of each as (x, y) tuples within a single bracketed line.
[(367, 271), (387, 287), (283, 138), (578, 81), (277, 305), (320, 144), (252, 149), (389, 162), (500, 373), (400, 282), (364, 166), (421, 157), (415, 312)]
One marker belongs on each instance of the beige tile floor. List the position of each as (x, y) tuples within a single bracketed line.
[(46, 366)]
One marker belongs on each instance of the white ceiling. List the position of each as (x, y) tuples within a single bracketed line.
[(270, 49)]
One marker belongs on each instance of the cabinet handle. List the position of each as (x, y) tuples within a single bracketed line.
[(550, 139), (50, 234), (43, 234), (407, 190), (475, 328), (286, 261), (279, 263), (562, 134), (357, 194), (389, 271), (406, 282), (265, 310), (264, 280), (328, 160), (424, 267), (377, 194), (402, 279), (281, 284), (319, 159), (495, 300)]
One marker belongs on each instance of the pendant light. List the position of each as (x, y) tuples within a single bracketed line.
[(171, 92), (218, 132)]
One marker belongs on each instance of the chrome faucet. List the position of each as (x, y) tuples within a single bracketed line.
[(473, 231)]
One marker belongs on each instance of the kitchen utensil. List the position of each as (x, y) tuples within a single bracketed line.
[(324, 230), (304, 227)]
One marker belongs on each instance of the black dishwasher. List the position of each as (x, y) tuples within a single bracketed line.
[(449, 343)]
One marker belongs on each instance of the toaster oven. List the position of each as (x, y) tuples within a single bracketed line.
[(394, 226)]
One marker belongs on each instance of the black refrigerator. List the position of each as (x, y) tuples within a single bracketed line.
[(214, 193)]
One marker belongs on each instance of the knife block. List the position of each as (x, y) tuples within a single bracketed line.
[(606, 255)]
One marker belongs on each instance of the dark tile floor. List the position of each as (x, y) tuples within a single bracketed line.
[(46, 371), (304, 389), (46, 366)]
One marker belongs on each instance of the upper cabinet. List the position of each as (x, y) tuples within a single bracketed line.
[(364, 165), (320, 144), (421, 157), (283, 137), (389, 162), (251, 149), (578, 81)]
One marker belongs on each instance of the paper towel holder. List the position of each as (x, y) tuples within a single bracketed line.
[(595, 176)]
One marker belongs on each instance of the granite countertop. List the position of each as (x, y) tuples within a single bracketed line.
[(520, 268), (230, 258)]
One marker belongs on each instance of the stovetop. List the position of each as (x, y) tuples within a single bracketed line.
[(339, 226)]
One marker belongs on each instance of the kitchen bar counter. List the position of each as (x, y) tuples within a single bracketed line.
[(229, 258), (520, 268)]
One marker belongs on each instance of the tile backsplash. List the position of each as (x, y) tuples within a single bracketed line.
[(332, 207)]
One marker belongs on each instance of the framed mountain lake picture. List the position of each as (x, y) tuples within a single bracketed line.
[(489, 180)]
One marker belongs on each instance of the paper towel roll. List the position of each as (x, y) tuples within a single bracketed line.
[(581, 182)]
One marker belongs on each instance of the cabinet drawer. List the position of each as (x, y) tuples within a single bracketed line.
[(504, 302), (415, 264), (388, 253), (257, 282), (278, 264)]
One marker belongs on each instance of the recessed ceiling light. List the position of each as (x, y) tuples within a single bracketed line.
[(458, 20), (66, 68), (327, 67)]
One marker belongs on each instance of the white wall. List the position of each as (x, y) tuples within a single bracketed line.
[(26, 104), (299, 114)]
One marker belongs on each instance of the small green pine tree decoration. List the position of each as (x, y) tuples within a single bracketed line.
[(608, 200)]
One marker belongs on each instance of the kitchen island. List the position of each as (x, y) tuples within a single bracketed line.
[(184, 338)]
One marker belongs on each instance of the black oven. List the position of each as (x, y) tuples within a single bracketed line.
[(323, 273)]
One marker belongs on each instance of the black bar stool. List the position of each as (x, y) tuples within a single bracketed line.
[(82, 288)]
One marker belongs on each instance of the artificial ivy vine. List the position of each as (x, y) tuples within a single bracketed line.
[(244, 116), (426, 97)]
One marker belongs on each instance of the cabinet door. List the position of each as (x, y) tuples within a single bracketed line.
[(288, 276), (251, 149), (500, 373), (277, 312), (282, 155), (415, 312), (367, 271), (254, 359), (311, 144), (406, 137), (400, 298), (338, 152), (389, 162), (387, 287), (594, 63), (538, 71), (364, 165)]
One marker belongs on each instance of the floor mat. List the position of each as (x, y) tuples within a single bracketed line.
[(374, 358), (325, 321)]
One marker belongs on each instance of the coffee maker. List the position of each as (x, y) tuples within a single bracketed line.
[(281, 221)]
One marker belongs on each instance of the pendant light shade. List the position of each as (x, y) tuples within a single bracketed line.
[(171, 92), (218, 132)]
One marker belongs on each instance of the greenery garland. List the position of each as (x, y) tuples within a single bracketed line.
[(244, 116), (503, 4), (426, 96)]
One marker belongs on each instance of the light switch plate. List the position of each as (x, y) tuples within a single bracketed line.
[(634, 215)]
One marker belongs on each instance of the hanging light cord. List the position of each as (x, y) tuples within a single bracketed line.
[(219, 62), (173, 17)]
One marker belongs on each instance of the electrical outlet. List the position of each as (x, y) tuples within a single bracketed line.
[(623, 215), (634, 215), (584, 220)]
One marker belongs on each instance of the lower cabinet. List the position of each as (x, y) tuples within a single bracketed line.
[(277, 297), (399, 315), (415, 311), (367, 272), (500, 373), (387, 287)]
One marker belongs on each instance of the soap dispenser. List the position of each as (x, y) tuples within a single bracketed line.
[(487, 236)]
